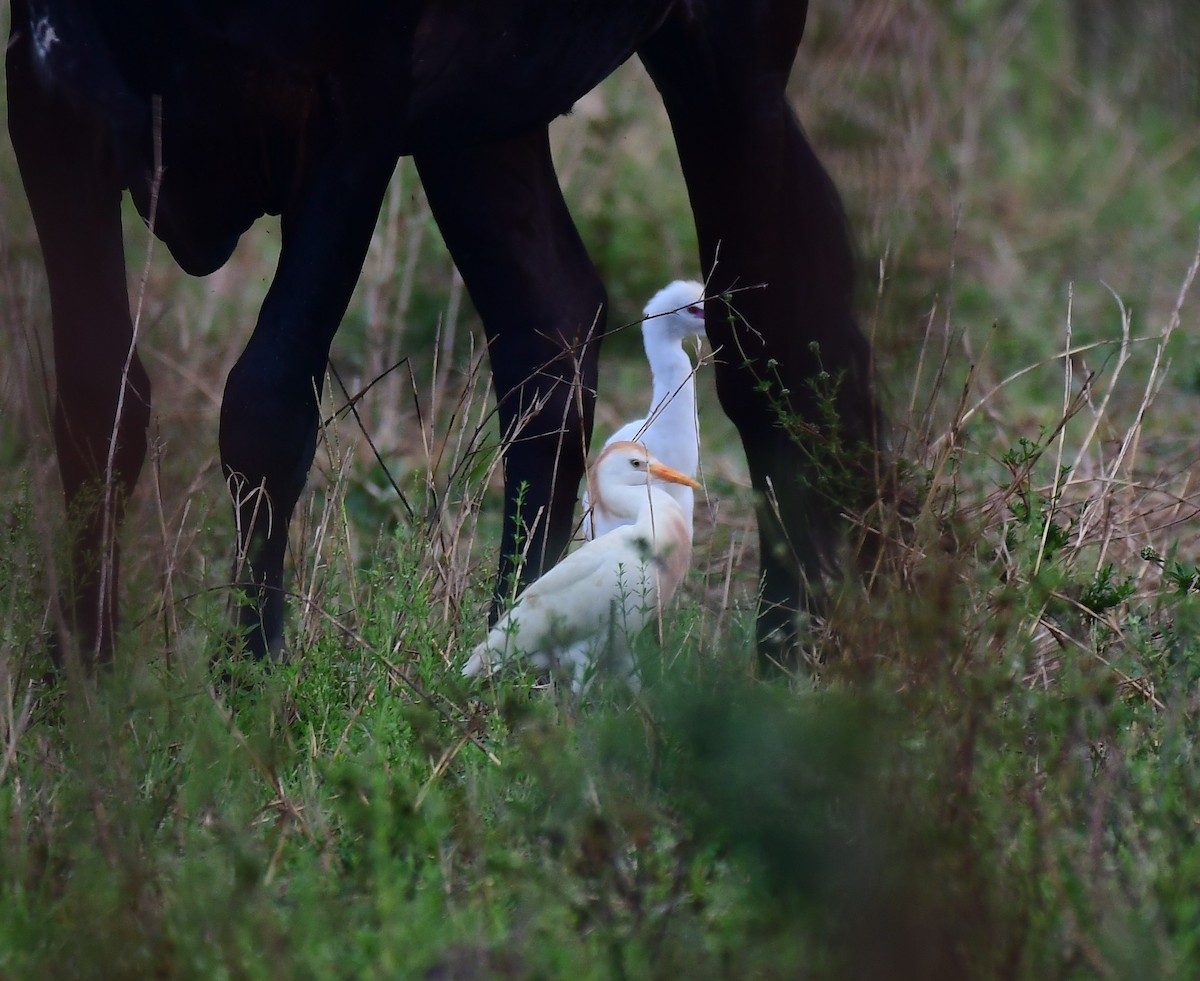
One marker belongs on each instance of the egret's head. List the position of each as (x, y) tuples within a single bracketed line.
[(676, 311), (629, 464)]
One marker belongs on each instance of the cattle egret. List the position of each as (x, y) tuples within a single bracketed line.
[(670, 430), (584, 612)]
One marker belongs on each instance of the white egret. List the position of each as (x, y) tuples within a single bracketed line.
[(670, 429), (583, 613)]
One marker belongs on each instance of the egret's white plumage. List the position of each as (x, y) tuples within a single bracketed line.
[(589, 606), (670, 429)]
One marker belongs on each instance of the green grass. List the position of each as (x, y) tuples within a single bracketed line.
[(991, 770)]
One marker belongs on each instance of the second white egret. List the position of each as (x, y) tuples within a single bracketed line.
[(670, 430)]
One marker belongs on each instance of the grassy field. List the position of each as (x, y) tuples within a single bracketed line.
[(992, 769)]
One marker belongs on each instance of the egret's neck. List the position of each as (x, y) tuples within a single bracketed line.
[(670, 534), (674, 391), (640, 503)]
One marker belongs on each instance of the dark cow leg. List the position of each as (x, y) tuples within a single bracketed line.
[(270, 412), (505, 222), (103, 402), (767, 213)]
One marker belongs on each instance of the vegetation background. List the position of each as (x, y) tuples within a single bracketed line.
[(991, 769)]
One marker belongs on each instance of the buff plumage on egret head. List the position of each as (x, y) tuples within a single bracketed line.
[(581, 616)]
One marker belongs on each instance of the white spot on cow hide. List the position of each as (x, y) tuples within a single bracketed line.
[(44, 37)]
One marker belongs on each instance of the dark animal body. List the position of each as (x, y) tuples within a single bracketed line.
[(214, 113)]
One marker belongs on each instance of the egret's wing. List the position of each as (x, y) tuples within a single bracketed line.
[(631, 431), (574, 604)]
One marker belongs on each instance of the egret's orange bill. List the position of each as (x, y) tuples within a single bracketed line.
[(663, 472)]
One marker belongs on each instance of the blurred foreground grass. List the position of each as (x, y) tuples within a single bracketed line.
[(991, 771)]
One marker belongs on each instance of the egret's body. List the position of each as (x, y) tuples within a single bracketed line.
[(588, 608), (670, 430)]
